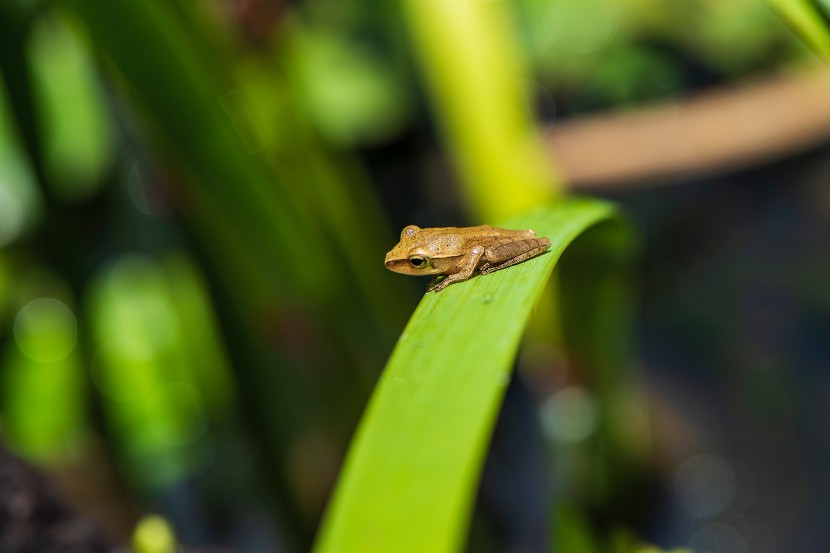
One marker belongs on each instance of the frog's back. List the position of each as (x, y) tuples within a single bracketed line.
[(452, 241)]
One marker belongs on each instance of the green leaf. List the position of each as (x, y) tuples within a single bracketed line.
[(810, 19), (472, 69), (191, 104), (348, 92), (19, 199), (78, 137), (44, 369), (410, 477)]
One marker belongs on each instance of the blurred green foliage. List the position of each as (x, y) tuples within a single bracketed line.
[(19, 200), (78, 142), (470, 61), (158, 364), (190, 244), (42, 384), (810, 19), (608, 48), (348, 94)]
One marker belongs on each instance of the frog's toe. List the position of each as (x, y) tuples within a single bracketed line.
[(436, 284)]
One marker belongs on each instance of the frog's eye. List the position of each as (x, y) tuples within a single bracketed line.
[(419, 261)]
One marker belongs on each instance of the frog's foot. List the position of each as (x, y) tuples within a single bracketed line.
[(437, 284)]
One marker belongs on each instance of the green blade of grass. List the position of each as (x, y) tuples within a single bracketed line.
[(808, 18), (473, 71), (410, 477)]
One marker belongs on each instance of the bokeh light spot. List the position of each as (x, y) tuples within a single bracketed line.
[(704, 485), (45, 330), (153, 533), (570, 415)]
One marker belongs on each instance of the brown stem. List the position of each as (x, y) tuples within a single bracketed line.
[(726, 129)]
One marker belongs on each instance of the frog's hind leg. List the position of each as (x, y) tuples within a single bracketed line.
[(505, 255)]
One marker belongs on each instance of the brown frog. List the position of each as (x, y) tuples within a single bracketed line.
[(458, 252)]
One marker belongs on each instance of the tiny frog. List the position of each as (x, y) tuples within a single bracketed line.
[(458, 252)]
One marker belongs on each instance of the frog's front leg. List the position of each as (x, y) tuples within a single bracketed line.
[(467, 269), (505, 255)]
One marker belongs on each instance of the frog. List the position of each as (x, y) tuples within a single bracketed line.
[(456, 254)]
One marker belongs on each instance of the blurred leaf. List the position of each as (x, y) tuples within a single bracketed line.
[(571, 26), (334, 188), (630, 76), (206, 361), (43, 406), (567, 41), (243, 203), (471, 64), (412, 470), (43, 385), (349, 94), (155, 398), (19, 199), (78, 141), (182, 91), (734, 34), (597, 303), (810, 19), (730, 37), (5, 286)]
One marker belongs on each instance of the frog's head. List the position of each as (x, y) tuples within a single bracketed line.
[(422, 251)]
